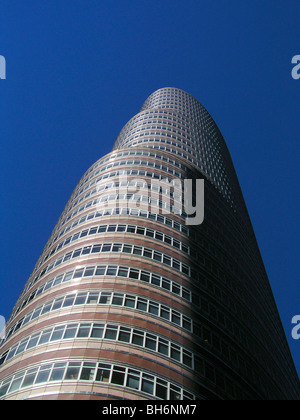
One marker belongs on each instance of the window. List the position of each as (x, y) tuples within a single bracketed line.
[(88, 371), (133, 380), (57, 333), (138, 338), (84, 331), (70, 331), (123, 272), (124, 335), (97, 331), (43, 374), (111, 332), (72, 371), (161, 389), (58, 372), (103, 373), (89, 271), (118, 376)]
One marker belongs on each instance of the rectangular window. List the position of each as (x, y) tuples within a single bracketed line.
[(57, 333), (118, 376), (118, 299), (70, 331), (69, 301), (111, 271), (72, 371), (97, 331), (88, 371), (92, 298), (134, 274), (80, 299), (100, 271), (84, 331), (89, 271), (138, 338), (124, 335), (130, 302), (123, 272), (96, 249)]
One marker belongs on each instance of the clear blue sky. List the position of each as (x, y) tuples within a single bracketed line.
[(77, 71)]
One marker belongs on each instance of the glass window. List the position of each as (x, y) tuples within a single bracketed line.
[(29, 378), (148, 386), (111, 271), (134, 274), (150, 342), (163, 347), (111, 332), (76, 253), (167, 260), (161, 389), (57, 333), (96, 249), (123, 272), (84, 331), (133, 382), (118, 376), (69, 301), (80, 299), (165, 313), (159, 236), (88, 371), (100, 271), (118, 299), (84, 233), (157, 256), (15, 385), (142, 304), (176, 318), (145, 277), (70, 331), (58, 372), (154, 308), (175, 393), (78, 273), (43, 374), (22, 346), (137, 250), (130, 301), (147, 253), (105, 298), (92, 298), (89, 271), (45, 337), (124, 335), (138, 338), (106, 248), (93, 231), (175, 352), (103, 373), (117, 248), (111, 228), (127, 249), (140, 231), (72, 371), (33, 341), (97, 331)]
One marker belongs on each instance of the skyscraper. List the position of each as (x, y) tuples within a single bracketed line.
[(130, 300)]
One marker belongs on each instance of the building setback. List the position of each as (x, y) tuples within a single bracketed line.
[(129, 301)]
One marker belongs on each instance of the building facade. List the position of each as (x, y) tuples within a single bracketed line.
[(129, 301)]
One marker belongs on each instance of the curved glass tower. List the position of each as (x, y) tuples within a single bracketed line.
[(132, 300)]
